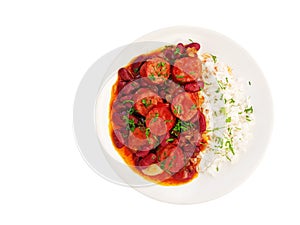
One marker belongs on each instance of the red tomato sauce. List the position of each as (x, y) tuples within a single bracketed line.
[(157, 125)]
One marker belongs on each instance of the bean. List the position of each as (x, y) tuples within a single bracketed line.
[(142, 153), (194, 86), (148, 160), (125, 75), (181, 48), (193, 45)]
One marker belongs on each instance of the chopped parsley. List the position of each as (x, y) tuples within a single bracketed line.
[(221, 84), (126, 101), (223, 110), (249, 110), (190, 40), (178, 109), (147, 132), (161, 64), (231, 101), (136, 70), (129, 123), (182, 126), (228, 120), (215, 129), (249, 82), (151, 77), (154, 119), (177, 51), (248, 118), (131, 111), (229, 144), (179, 76), (194, 106), (214, 58), (145, 103), (170, 140)]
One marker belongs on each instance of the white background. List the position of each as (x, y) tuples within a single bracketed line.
[(47, 46)]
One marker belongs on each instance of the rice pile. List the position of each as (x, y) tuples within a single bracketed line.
[(229, 115)]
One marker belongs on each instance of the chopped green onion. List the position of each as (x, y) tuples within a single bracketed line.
[(128, 101), (151, 77), (231, 101), (214, 58), (249, 110), (170, 139), (177, 51), (147, 132), (194, 106), (228, 120)]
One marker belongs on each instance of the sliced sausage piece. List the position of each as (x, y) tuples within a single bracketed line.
[(160, 120), (184, 106), (145, 99), (138, 140), (156, 69), (171, 158), (187, 69)]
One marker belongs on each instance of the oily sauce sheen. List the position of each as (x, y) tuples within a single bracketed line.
[(157, 125)]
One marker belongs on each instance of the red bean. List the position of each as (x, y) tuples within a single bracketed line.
[(142, 153), (148, 160), (202, 122), (193, 45), (135, 66), (125, 75), (194, 86), (181, 48), (120, 86)]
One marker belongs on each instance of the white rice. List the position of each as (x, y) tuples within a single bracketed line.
[(229, 115)]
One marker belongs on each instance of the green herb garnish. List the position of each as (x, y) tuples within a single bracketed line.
[(151, 77), (126, 101), (178, 109), (228, 120), (182, 126), (231, 101), (129, 123), (177, 51), (249, 110), (214, 58), (131, 111), (215, 129), (194, 106), (170, 140), (145, 103), (190, 40), (147, 132), (154, 119), (223, 110)]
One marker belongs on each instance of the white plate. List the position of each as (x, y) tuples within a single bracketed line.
[(103, 158)]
